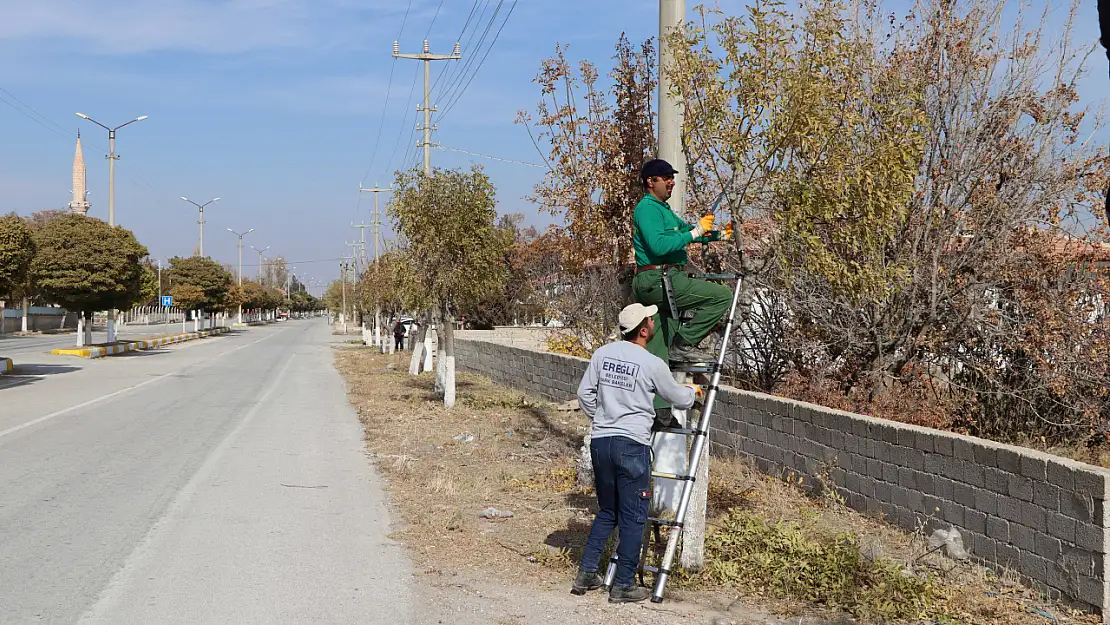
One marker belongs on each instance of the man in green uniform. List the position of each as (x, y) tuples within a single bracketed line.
[(659, 238)]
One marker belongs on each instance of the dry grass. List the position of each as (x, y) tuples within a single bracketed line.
[(521, 458)]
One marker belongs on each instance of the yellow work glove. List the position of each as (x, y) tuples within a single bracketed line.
[(726, 234), (699, 392), (704, 225)]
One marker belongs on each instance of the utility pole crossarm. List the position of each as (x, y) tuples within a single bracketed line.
[(427, 57)]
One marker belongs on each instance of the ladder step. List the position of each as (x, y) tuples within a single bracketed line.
[(650, 569), (673, 476), (715, 276), (666, 522), (681, 431), (693, 367)]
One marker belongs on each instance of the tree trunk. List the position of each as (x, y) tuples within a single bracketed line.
[(441, 386), (428, 346), (418, 351), (447, 352), (26, 315)]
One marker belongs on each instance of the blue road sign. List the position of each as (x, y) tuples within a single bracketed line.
[(167, 301)]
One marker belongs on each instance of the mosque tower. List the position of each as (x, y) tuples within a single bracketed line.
[(80, 202)]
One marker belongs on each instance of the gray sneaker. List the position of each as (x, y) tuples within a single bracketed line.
[(585, 582), (690, 354), (628, 594)]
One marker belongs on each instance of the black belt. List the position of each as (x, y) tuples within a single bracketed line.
[(644, 268)]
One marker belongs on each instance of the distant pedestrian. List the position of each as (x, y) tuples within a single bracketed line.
[(617, 394), (399, 336)]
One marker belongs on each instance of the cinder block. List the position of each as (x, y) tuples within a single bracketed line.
[(883, 491), (944, 488), (1047, 546), (1023, 537), (1033, 516), (985, 455), (1009, 460), (1019, 487), (971, 473), (913, 459), (1007, 556), (1079, 507), (1091, 483), (867, 486), (1009, 508), (1061, 476), (890, 473), (1034, 468), (964, 449), (907, 478), (890, 433), (1046, 495), (934, 464), (986, 502), (1092, 537), (1033, 566), (998, 529), (925, 482), (942, 443), (1061, 526), (965, 495), (975, 521), (1095, 592), (905, 437), (923, 442), (851, 444), (953, 513), (997, 480)]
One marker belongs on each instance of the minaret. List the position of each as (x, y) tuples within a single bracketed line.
[(80, 203)]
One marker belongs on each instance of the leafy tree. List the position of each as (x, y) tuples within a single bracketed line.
[(448, 220), (205, 274), (188, 296), (17, 248), (85, 265)]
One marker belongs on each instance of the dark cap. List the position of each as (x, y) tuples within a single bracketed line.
[(656, 167)]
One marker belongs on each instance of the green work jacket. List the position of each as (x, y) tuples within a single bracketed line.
[(660, 237)]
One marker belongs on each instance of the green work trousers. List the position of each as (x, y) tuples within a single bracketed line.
[(708, 299)]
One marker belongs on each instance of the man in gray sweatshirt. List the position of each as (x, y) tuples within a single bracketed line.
[(617, 394)]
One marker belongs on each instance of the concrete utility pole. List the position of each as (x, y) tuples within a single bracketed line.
[(260, 262), (427, 57), (200, 238), (112, 158), (672, 15), (240, 235), (377, 237)]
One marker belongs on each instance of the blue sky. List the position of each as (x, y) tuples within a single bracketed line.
[(272, 105), (275, 106)]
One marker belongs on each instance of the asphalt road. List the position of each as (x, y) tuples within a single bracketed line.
[(218, 481), (15, 346)]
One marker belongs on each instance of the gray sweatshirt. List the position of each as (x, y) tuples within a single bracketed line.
[(619, 388)]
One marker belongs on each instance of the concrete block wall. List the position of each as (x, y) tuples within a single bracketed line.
[(1045, 517)]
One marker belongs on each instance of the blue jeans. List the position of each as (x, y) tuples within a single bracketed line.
[(622, 476)]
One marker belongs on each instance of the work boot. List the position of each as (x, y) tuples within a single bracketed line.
[(585, 582), (628, 594), (689, 354)]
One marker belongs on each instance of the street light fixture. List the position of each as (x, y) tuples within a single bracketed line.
[(260, 265), (112, 158), (200, 240), (240, 235)]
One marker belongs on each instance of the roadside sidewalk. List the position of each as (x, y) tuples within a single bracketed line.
[(136, 345)]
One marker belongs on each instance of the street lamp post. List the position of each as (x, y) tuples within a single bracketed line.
[(260, 265), (112, 158), (240, 235), (200, 222)]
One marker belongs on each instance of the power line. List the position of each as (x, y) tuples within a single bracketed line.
[(458, 77), (493, 158), (451, 104), (385, 103), (449, 73)]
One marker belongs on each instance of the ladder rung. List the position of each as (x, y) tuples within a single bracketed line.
[(693, 367), (715, 276), (682, 431), (666, 522), (673, 476), (650, 569)]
